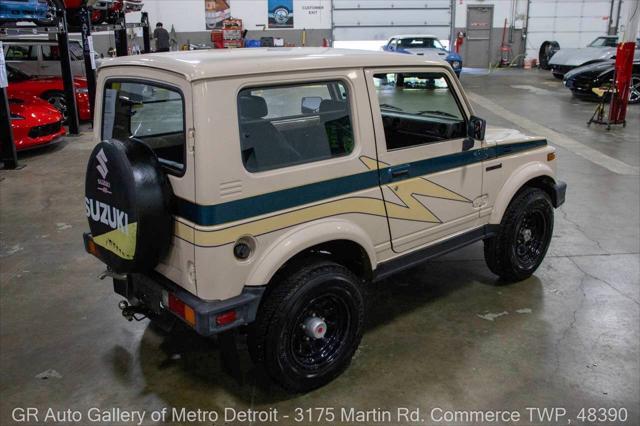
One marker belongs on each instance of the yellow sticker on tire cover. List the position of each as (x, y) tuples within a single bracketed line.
[(119, 243)]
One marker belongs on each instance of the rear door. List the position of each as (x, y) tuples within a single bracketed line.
[(155, 108), (429, 184)]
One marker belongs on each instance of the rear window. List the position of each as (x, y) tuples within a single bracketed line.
[(149, 113)]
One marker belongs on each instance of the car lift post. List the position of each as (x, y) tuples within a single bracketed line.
[(88, 53), (624, 66), (8, 156), (67, 74), (121, 35), (145, 32)]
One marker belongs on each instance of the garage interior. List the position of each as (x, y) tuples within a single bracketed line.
[(445, 334)]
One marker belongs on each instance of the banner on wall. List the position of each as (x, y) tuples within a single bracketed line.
[(280, 13), (216, 11)]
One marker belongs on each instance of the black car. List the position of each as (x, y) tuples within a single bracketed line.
[(583, 79)]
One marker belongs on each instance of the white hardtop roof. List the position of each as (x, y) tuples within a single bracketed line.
[(204, 64), (415, 36)]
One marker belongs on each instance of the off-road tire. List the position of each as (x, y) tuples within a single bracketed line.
[(272, 336), (501, 251)]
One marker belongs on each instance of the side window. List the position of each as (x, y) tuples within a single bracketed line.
[(418, 108), (21, 53), (281, 126), (146, 113), (75, 51), (50, 53)]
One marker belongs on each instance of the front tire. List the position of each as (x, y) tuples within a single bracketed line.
[(309, 325), (524, 236), (58, 100)]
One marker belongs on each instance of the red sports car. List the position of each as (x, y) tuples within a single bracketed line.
[(51, 89), (34, 122), (118, 5)]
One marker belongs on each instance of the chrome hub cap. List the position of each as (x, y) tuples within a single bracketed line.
[(315, 327)]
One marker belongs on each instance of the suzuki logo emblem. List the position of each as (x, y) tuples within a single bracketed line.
[(102, 166)]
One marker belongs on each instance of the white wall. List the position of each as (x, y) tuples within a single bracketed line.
[(307, 14), (184, 15)]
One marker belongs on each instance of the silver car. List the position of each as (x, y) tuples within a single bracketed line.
[(41, 56), (601, 49)]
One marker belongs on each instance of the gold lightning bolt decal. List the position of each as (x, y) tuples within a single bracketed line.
[(363, 203), (406, 191)]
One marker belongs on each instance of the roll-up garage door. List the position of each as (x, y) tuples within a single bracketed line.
[(572, 23), (380, 19)]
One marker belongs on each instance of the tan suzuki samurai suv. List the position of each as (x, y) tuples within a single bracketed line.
[(267, 187)]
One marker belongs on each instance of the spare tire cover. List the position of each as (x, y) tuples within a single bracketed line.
[(127, 202)]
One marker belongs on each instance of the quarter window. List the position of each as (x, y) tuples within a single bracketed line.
[(50, 53), (281, 126), (146, 113), (418, 108)]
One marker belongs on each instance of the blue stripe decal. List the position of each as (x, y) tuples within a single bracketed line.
[(287, 198)]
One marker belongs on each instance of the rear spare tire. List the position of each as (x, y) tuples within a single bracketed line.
[(127, 203)]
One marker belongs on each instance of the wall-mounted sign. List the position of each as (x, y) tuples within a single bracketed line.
[(215, 12), (313, 10), (280, 13)]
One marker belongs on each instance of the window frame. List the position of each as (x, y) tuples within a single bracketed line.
[(168, 169), (273, 85), (450, 85), (31, 49)]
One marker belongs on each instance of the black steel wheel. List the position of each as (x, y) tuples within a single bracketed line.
[(524, 236), (530, 237), (308, 325)]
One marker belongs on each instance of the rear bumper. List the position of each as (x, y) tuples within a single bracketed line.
[(153, 291), (157, 295), (558, 193)]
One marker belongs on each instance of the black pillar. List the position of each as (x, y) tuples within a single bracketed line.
[(145, 32), (89, 60), (67, 75), (121, 35), (8, 155)]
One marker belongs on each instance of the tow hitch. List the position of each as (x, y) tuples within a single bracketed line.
[(133, 312)]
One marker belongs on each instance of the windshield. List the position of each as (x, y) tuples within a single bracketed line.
[(604, 42), (420, 43)]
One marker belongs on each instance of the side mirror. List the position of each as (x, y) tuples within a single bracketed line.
[(467, 144), (476, 128), (310, 104)]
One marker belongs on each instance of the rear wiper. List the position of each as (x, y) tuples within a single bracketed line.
[(446, 114), (389, 106)]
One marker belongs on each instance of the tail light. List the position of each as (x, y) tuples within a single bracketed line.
[(226, 318), (181, 309)]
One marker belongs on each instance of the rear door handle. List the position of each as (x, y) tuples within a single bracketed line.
[(399, 172)]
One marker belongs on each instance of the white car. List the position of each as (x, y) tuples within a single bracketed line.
[(421, 45), (601, 49), (40, 57), (310, 174)]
